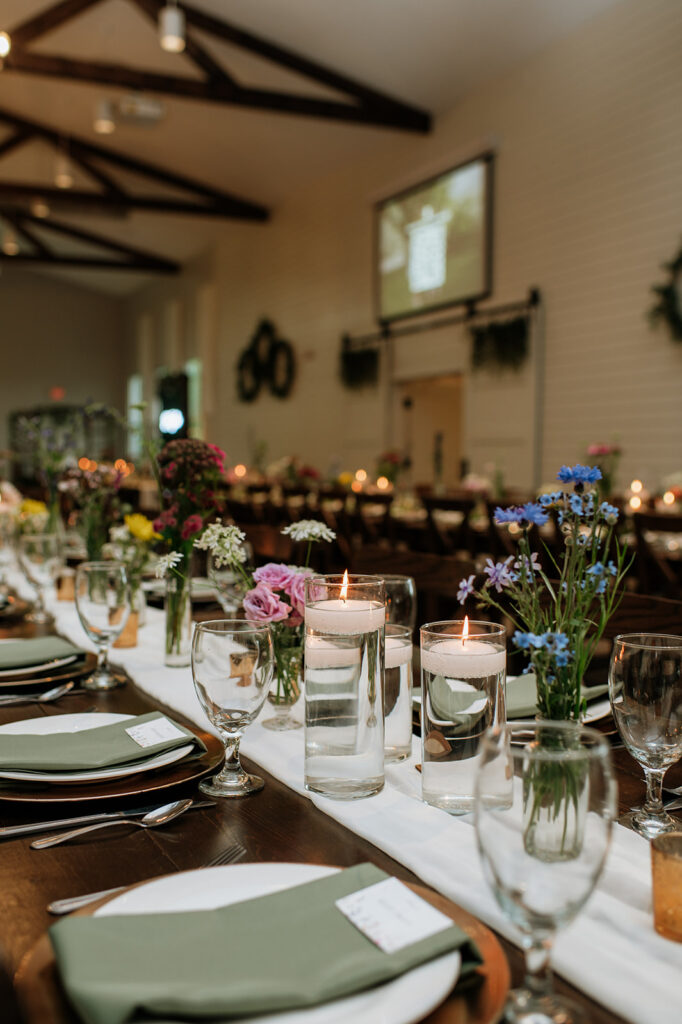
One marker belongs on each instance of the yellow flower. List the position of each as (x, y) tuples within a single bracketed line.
[(29, 508), (345, 479), (140, 527)]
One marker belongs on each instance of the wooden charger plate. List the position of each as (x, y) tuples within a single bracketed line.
[(49, 678), (141, 785), (481, 1000)]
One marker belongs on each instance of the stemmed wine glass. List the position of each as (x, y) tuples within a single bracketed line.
[(40, 559), (545, 802), (645, 688), (232, 667), (103, 607)]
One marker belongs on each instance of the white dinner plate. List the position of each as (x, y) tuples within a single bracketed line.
[(405, 1000), (78, 723), (30, 670)]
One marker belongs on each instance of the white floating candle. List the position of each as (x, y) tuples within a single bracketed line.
[(398, 652), (466, 659), (320, 653), (348, 617)]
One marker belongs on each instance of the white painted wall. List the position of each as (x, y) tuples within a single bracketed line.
[(588, 136), (53, 333)]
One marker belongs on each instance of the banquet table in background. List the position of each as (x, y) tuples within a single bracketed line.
[(610, 954)]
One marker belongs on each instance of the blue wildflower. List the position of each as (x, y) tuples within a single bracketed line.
[(526, 515), (601, 587), (596, 570), (562, 658), (582, 539), (508, 515), (612, 568), (550, 499), (522, 640), (609, 512), (579, 474), (498, 574), (576, 503), (466, 589), (534, 513)]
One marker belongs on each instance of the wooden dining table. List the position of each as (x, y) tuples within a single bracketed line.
[(274, 825)]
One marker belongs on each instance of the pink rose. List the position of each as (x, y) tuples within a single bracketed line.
[(274, 575), (296, 590), (191, 525), (261, 605)]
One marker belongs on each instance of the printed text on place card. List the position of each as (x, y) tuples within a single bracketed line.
[(391, 915)]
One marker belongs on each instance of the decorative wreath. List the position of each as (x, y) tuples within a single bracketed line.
[(266, 359), (669, 305)]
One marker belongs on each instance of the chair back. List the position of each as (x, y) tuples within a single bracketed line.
[(658, 539), (446, 538)]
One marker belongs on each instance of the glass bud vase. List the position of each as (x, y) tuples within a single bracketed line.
[(178, 607), (285, 689)]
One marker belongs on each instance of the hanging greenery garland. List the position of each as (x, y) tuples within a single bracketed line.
[(500, 344), (669, 305), (281, 368), (248, 376)]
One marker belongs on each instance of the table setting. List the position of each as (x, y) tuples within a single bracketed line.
[(519, 832)]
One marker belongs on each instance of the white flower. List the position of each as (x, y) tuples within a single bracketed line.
[(166, 563), (226, 544), (119, 534), (309, 529)]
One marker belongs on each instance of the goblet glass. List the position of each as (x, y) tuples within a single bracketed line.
[(232, 667), (401, 599), (103, 608), (645, 688), (40, 559), (543, 848)]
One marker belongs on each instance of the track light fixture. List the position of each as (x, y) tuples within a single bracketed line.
[(172, 27)]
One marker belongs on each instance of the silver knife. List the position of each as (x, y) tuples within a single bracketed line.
[(34, 827)]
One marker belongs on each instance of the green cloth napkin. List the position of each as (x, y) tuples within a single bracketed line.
[(274, 953), (100, 747), (456, 706), (522, 695), (24, 653)]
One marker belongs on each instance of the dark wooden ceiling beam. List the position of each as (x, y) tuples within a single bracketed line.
[(18, 139), (48, 19), (15, 218), (211, 201), (102, 202), (96, 173), (196, 53), (120, 76), (91, 263)]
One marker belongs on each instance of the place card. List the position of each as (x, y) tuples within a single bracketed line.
[(392, 916), (159, 730)]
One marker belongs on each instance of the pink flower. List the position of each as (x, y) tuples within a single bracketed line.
[(296, 590), (191, 525), (274, 575), (261, 605)]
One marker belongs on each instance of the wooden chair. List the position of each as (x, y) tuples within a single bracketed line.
[(373, 528), (636, 613), (445, 539), (659, 568)]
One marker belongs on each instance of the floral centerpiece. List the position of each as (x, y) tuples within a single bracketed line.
[(390, 465), (32, 516), (605, 457), (95, 493), (189, 474), (559, 620), (52, 449), (273, 593), (131, 543)]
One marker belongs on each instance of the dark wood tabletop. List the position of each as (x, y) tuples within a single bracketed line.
[(273, 825)]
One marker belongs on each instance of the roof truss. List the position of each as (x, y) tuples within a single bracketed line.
[(365, 105)]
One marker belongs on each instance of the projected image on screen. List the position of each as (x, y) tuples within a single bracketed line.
[(433, 243)]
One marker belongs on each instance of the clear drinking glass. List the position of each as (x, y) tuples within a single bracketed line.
[(344, 669), (232, 667), (397, 693), (463, 694), (225, 582), (645, 688), (103, 608), (544, 849), (401, 599), (40, 559), (8, 532)]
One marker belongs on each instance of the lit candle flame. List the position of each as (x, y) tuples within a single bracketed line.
[(344, 586), (465, 630)]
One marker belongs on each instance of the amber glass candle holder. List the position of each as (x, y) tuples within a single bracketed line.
[(666, 865)]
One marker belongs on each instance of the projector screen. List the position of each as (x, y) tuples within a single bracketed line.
[(434, 242)]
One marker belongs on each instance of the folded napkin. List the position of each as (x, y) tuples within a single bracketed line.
[(102, 746), (24, 653), (522, 695), (289, 949)]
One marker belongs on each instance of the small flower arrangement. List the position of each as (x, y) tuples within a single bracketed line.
[(390, 465), (559, 621), (131, 543), (95, 493), (605, 457), (32, 516), (274, 594)]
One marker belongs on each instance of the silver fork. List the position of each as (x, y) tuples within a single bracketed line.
[(230, 855)]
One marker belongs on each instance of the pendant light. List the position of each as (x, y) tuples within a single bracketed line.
[(172, 28), (10, 246)]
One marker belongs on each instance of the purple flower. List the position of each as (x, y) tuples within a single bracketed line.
[(262, 605), (526, 565), (466, 589), (498, 574), (296, 589), (579, 474), (275, 575)]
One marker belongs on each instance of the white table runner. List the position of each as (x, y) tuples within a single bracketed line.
[(611, 952)]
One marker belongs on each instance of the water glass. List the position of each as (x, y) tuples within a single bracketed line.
[(401, 600), (225, 583), (544, 848), (397, 693), (344, 671), (103, 608), (40, 560), (8, 530), (232, 667), (645, 688), (463, 693)]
